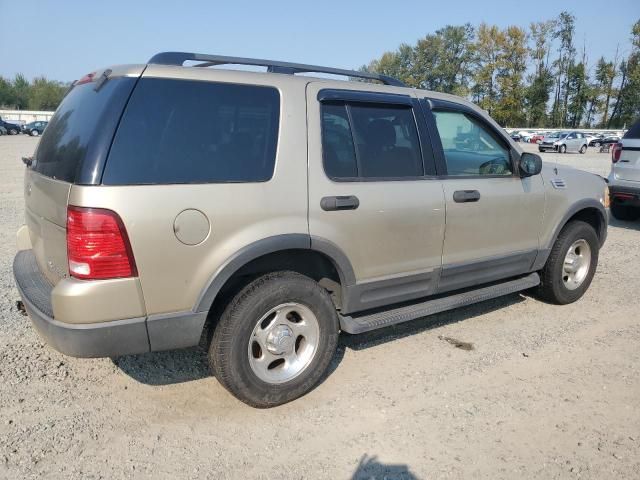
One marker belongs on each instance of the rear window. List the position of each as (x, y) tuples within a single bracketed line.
[(633, 132), (81, 129), (180, 131)]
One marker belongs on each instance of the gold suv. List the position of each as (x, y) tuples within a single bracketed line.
[(277, 210)]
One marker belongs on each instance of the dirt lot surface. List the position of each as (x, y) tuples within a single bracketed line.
[(546, 391)]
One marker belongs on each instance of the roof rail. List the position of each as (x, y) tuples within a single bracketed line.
[(273, 66)]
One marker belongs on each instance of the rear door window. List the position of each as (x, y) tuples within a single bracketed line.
[(180, 131), (370, 141)]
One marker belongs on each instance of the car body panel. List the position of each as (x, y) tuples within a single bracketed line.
[(405, 236)]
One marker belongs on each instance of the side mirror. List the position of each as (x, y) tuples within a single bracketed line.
[(530, 164)]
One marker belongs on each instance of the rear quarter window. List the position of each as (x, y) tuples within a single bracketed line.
[(79, 133), (182, 131)]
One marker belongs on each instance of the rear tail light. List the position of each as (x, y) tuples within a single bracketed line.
[(616, 152), (97, 245)]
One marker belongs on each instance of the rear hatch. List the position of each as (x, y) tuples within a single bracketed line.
[(72, 150), (628, 167)]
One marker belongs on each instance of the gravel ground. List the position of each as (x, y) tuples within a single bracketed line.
[(546, 391)]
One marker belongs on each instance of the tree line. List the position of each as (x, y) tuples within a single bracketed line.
[(40, 94), (534, 77)]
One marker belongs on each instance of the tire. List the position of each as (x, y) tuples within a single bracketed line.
[(597, 144), (556, 284), (34, 133), (562, 149), (583, 149), (624, 212), (13, 131), (249, 335), (541, 150)]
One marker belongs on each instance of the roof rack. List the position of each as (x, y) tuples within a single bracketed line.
[(273, 66)]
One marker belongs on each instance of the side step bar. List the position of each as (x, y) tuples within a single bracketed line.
[(365, 323)]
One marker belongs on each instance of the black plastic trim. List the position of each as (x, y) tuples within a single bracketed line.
[(477, 272), (380, 293), (175, 330), (357, 96), (271, 245), (103, 339), (274, 66)]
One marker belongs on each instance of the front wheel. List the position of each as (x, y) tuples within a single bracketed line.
[(34, 133), (597, 144), (275, 339), (571, 264), (583, 149), (562, 149)]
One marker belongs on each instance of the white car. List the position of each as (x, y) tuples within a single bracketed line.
[(624, 179)]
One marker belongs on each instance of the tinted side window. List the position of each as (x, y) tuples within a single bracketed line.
[(469, 147), (370, 141), (71, 136), (179, 131), (337, 144), (387, 141)]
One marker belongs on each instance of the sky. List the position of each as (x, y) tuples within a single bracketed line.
[(65, 39)]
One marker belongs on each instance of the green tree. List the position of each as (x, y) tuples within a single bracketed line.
[(627, 105), (20, 89), (541, 81), (7, 98), (489, 41), (565, 30), (512, 64), (45, 94), (443, 60)]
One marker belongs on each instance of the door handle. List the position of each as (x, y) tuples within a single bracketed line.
[(462, 196), (347, 202)]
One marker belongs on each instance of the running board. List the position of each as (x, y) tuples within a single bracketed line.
[(365, 323)]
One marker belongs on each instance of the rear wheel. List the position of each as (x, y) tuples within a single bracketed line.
[(13, 131), (597, 144), (562, 149), (275, 339), (624, 212), (571, 264), (34, 133)]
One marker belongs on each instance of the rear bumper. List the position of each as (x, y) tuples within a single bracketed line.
[(101, 339), (625, 195)]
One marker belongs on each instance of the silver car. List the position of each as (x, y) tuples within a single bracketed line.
[(263, 213), (624, 179), (564, 142)]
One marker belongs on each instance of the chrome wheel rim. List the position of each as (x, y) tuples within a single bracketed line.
[(576, 265), (283, 343)]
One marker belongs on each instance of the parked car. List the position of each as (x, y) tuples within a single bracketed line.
[(537, 138), (624, 179), (564, 142), (34, 128), (238, 202), (12, 128), (515, 136), (597, 142)]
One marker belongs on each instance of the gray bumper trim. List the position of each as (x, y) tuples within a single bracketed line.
[(102, 339)]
